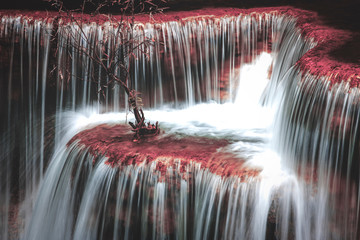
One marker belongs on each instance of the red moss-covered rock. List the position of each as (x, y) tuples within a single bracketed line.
[(115, 142), (320, 61)]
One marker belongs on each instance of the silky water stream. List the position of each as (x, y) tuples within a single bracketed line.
[(230, 78)]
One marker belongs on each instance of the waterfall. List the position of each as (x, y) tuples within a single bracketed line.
[(328, 143), (305, 138), (112, 199)]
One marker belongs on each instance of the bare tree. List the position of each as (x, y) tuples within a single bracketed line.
[(117, 60)]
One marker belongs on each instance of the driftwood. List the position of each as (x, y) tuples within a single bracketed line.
[(140, 128)]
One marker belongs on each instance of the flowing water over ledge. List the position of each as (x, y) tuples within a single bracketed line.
[(304, 137)]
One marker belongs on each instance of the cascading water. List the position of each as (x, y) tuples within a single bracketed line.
[(196, 84)]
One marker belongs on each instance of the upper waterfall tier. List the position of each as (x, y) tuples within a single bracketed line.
[(319, 61)]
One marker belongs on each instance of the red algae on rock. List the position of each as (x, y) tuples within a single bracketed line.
[(320, 62), (115, 143)]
